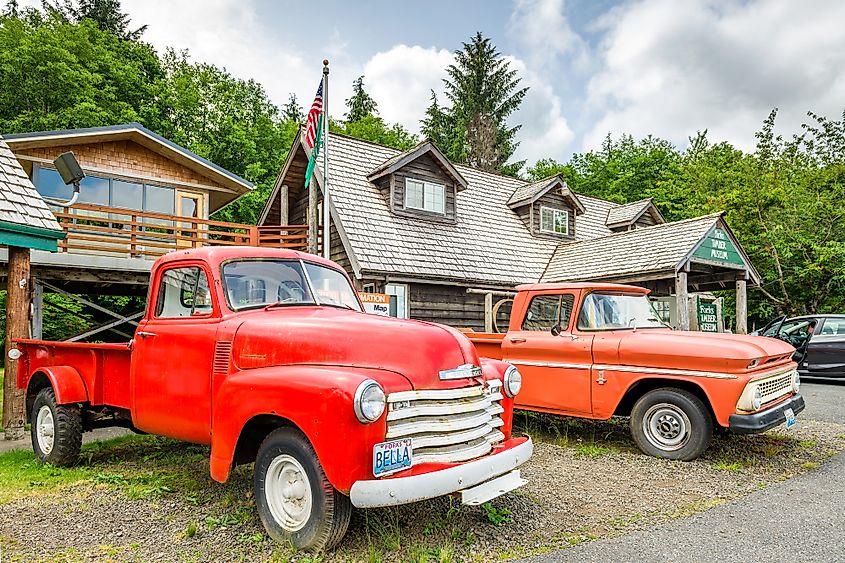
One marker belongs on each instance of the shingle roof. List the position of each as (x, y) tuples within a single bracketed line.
[(403, 158), (20, 203), (487, 243), (529, 193), (649, 249), (591, 224), (628, 213)]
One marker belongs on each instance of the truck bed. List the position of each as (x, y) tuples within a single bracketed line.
[(104, 368), (488, 344)]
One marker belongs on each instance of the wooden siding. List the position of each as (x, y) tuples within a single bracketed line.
[(426, 169), (125, 158), (646, 220), (447, 304), (556, 201)]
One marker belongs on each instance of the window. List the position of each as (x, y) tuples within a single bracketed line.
[(109, 192), (183, 292), (617, 311), (258, 283), (369, 288), (833, 327), (425, 195), (400, 290), (554, 221), (663, 310), (546, 311)]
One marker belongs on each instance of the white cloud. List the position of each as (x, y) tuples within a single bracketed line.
[(401, 79), (671, 68), (545, 132), (541, 26)]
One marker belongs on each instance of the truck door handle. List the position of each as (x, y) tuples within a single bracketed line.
[(517, 340), (144, 334)]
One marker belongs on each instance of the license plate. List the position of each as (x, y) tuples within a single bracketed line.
[(390, 457), (790, 418)]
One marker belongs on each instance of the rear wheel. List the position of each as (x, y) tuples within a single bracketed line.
[(56, 430), (672, 424), (296, 502)]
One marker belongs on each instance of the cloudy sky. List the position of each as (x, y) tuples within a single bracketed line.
[(661, 67)]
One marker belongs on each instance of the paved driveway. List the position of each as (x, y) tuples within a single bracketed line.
[(801, 519)]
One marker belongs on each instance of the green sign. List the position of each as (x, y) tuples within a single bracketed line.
[(707, 319), (718, 247)]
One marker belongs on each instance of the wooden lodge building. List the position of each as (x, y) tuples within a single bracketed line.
[(450, 242), (142, 196)]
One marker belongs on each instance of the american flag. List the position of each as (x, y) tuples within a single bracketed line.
[(314, 118)]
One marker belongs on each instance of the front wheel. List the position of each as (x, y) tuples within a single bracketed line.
[(295, 500), (56, 430), (672, 424)]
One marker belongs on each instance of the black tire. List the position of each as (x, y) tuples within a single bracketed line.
[(318, 529), (66, 428), (671, 423)]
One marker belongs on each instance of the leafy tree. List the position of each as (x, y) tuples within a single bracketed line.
[(360, 105), (483, 91), (292, 111), (106, 14), (374, 129)]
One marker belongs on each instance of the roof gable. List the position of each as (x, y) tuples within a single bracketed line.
[(629, 213), (400, 160), (141, 135), (529, 193)]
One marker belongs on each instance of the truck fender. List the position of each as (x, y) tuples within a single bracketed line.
[(317, 400), (66, 382)]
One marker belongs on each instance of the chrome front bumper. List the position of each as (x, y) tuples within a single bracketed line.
[(403, 490)]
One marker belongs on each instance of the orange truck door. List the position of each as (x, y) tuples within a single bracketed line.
[(555, 369), (173, 354)]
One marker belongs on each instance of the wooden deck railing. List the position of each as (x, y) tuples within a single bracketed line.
[(97, 229)]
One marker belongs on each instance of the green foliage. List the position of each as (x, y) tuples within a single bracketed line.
[(373, 128), (292, 111), (483, 91), (360, 105), (496, 516), (106, 14)]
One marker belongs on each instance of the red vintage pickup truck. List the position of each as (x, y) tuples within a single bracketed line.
[(268, 357), (597, 350)]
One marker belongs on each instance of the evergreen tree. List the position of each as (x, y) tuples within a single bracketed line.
[(105, 13), (292, 111), (484, 91), (436, 125), (12, 9), (360, 104)]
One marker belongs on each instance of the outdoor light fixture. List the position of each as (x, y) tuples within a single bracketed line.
[(71, 173)]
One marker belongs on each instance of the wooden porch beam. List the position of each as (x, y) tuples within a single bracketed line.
[(17, 326)]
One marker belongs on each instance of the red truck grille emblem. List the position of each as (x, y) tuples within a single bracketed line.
[(222, 358)]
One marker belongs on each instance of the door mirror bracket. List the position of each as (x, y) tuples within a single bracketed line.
[(556, 330)]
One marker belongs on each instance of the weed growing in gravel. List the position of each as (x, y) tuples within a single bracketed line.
[(807, 443), (496, 516), (592, 450), (385, 530), (729, 465), (808, 465), (191, 530)]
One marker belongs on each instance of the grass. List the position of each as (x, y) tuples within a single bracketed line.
[(592, 450)]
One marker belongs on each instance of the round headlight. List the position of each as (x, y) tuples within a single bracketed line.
[(513, 381), (757, 400), (369, 401), (796, 382), (15, 354)]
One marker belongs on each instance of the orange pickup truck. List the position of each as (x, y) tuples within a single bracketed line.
[(599, 350)]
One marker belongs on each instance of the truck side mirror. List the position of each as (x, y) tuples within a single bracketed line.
[(556, 330)]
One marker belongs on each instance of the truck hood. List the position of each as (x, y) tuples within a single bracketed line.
[(340, 337), (700, 351)]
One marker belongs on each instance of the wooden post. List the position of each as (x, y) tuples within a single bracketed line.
[(37, 324), (488, 312), (283, 205), (682, 300), (741, 307), (17, 326), (313, 217)]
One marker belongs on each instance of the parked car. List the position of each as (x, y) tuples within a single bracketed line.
[(819, 342), (595, 350), (267, 356)]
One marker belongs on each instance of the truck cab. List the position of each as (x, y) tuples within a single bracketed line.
[(595, 350), (267, 357)]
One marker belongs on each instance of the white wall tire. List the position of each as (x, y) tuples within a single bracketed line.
[(56, 430), (295, 501)]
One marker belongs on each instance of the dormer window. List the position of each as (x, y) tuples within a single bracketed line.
[(427, 196), (555, 221)]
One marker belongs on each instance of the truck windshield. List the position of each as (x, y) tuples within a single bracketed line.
[(250, 284), (615, 311)]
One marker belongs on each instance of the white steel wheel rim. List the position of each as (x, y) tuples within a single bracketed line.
[(45, 430), (287, 491), (666, 427)]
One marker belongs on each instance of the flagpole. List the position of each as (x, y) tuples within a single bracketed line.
[(326, 199)]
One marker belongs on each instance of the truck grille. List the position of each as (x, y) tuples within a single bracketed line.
[(447, 425), (776, 386)]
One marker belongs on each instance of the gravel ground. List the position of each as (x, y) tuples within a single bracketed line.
[(586, 481)]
